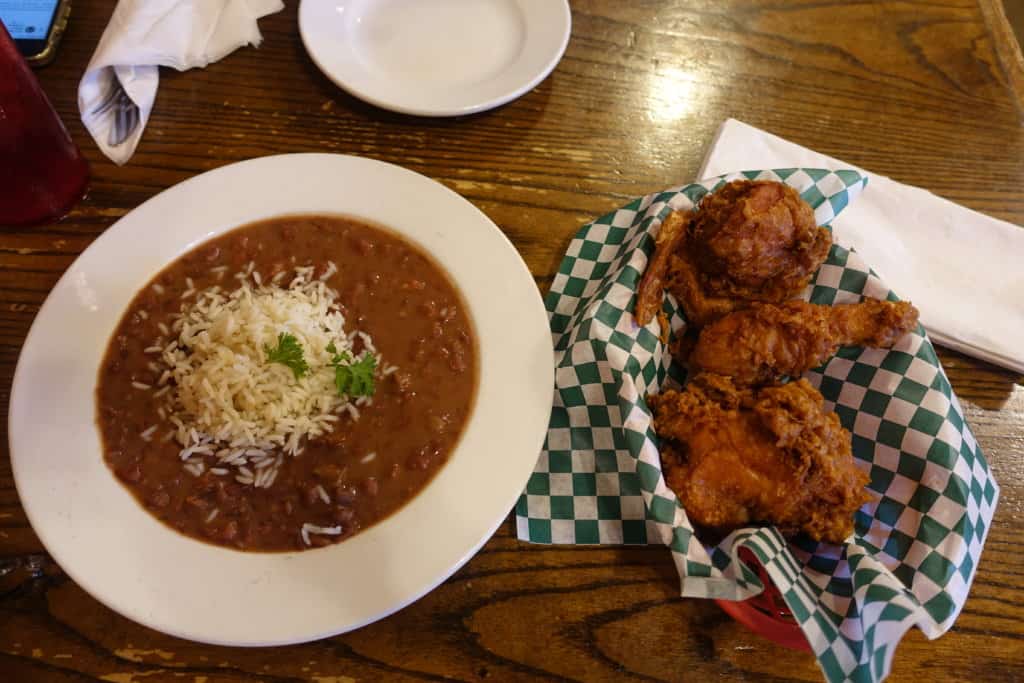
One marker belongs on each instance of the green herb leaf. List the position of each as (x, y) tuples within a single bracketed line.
[(288, 353), (353, 378)]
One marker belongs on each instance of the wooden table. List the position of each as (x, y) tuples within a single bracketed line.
[(913, 90)]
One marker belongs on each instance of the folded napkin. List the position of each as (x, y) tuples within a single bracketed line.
[(145, 34), (959, 267)]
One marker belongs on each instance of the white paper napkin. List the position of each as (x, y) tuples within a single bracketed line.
[(145, 34), (959, 267)]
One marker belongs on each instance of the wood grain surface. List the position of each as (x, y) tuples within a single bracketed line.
[(912, 90)]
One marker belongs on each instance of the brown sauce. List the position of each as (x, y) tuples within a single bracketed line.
[(387, 288)]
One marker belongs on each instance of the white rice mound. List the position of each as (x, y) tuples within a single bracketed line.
[(226, 399)]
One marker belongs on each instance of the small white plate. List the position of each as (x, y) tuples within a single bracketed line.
[(131, 562), (435, 57)]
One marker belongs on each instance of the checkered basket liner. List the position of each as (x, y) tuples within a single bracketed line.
[(916, 544)]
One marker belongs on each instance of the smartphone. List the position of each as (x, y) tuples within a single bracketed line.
[(36, 26)]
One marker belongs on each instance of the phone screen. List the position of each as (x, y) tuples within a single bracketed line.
[(27, 19)]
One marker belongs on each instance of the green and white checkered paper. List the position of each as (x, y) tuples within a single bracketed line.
[(916, 544)]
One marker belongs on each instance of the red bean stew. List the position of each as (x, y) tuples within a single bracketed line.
[(345, 480)]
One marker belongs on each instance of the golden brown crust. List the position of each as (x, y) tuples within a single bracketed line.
[(684, 281), (749, 233), (872, 322), (736, 456), (765, 342), (664, 327), (747, 241), (652, 286)]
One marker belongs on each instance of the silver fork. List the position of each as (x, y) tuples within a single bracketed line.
[(126, 113)]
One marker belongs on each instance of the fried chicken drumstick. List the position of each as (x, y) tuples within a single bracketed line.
[(747, 241), (764, 342), (735, 456)]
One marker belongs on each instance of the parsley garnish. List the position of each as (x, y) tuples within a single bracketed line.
[(289, 353), (352, 378)]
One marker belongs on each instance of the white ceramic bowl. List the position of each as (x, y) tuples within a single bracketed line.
[(436, 57), (131, 562)]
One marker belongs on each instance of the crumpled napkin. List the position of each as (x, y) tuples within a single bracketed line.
[(959, 267), (145, 34)]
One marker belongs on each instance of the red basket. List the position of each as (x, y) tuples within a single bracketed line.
[(766, 614)]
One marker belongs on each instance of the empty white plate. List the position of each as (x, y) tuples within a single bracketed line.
[(435, 57)]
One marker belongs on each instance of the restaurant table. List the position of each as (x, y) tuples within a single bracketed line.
[(928, 93)]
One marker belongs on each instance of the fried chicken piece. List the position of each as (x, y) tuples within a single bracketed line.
[(758, 240), (766, 341), (747, 241), (652, 285), (686, 282), (735, 456)]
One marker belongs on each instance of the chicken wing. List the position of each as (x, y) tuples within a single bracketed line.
[(735, 456), (747, 241), (652, 285), (766, 341)]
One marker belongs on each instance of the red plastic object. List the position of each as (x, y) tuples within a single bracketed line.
[(766, 614), (42, 172)]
